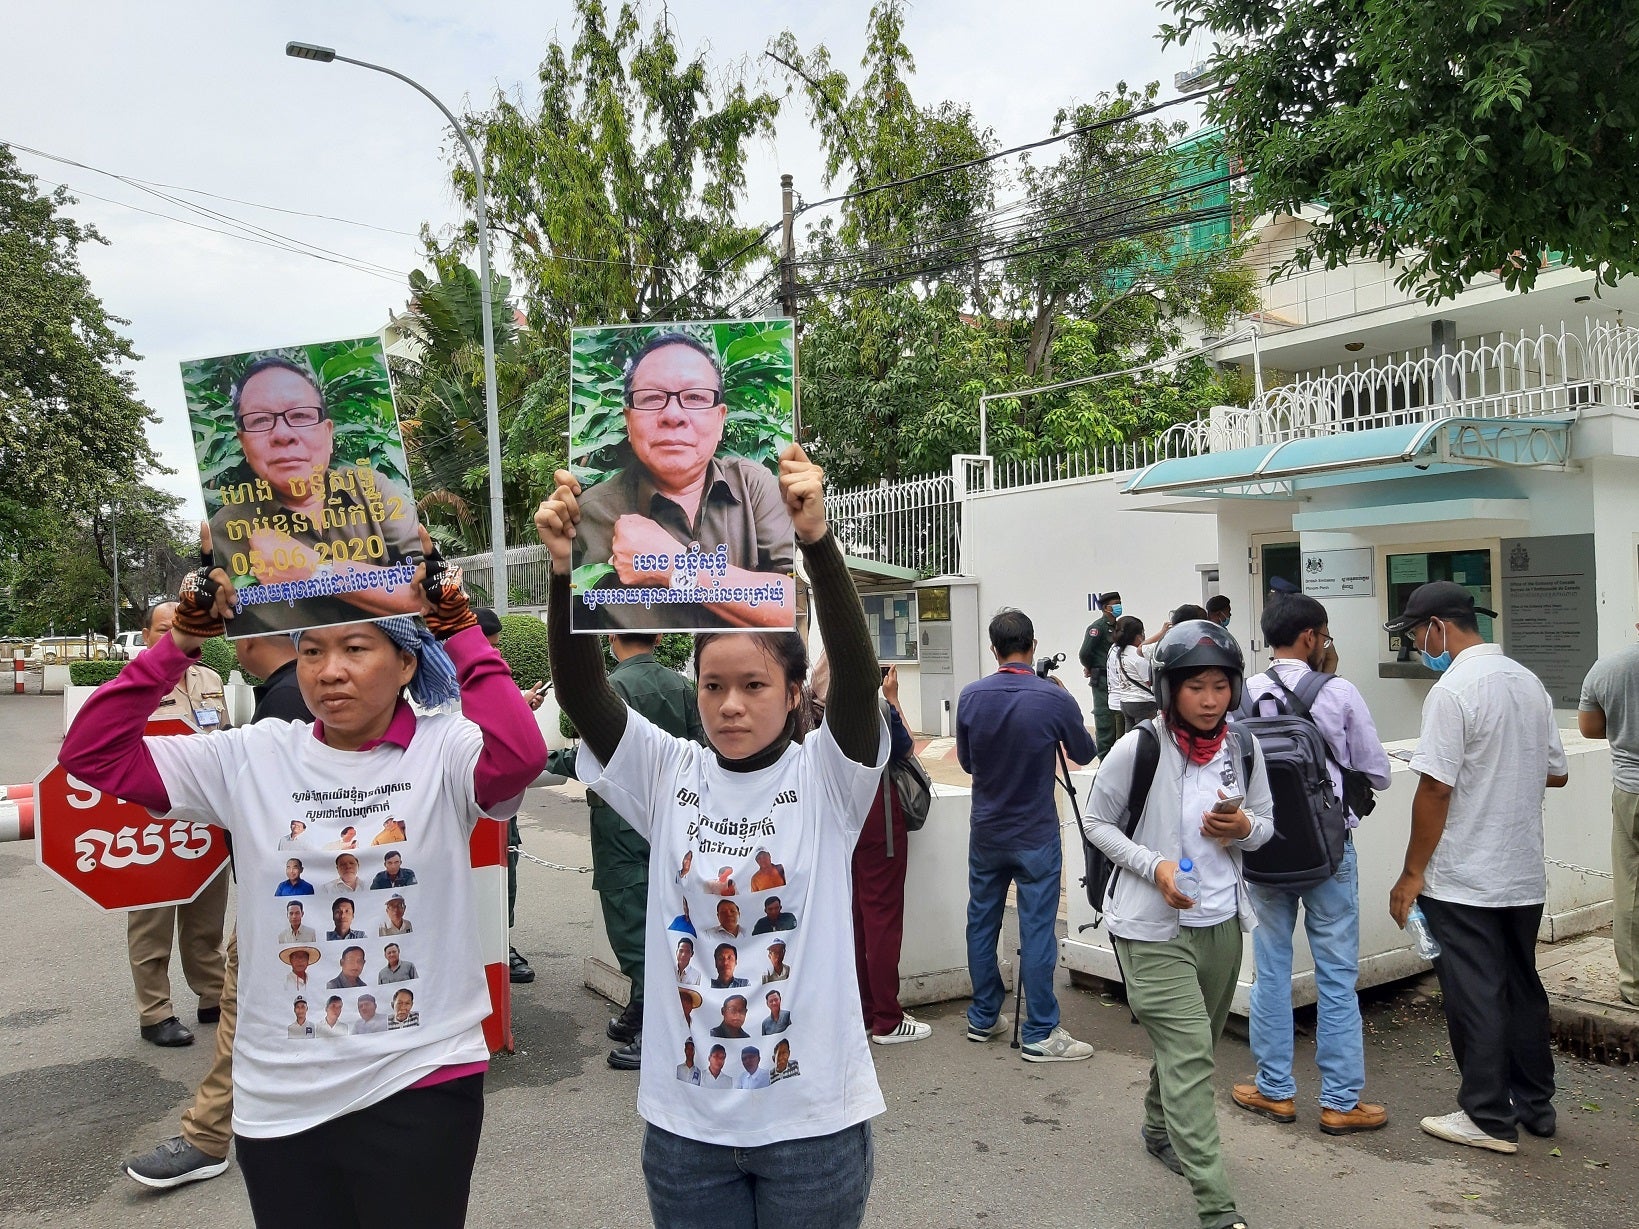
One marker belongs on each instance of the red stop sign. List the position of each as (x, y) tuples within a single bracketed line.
[(117, 854)]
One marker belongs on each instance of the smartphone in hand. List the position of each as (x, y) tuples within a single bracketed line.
[(1229, 805)]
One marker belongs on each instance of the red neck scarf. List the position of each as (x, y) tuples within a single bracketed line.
[(1199, 748)]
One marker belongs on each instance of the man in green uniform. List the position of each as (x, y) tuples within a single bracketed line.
[(1095, 655), (620, 857)]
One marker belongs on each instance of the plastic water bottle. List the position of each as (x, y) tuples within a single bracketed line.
[(1422, 938), (1187, 882)]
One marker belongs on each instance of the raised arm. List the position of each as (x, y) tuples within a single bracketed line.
[(577, 665), (104, 746), (850, 702)]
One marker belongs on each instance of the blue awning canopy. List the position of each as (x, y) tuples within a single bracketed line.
[(1440, 445)]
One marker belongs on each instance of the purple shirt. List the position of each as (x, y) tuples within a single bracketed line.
[(1344, 720)]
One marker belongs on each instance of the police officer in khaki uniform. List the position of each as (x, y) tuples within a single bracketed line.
[(201, 701)]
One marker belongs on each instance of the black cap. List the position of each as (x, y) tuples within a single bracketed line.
[(1104, 599), (1439, 599), (488, 621)]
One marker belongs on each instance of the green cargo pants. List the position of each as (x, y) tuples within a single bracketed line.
[(1180, 991)]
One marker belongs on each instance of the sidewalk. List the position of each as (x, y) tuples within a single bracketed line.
[(1590, 1018)]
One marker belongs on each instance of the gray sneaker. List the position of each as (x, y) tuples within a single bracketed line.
[(997, 1029), (1057, 1047), (173, 1163)]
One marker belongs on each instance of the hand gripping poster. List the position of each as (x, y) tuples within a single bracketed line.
[(306, 486), (675, 432)]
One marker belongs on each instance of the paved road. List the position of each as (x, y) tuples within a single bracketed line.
[(972, 1136)]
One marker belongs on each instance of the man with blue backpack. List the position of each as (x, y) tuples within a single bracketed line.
[(1324, 758)]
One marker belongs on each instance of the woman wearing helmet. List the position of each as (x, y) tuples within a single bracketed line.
[(1180, 953)]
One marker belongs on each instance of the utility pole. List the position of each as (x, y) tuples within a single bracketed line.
[(114, 529), (788, 283)]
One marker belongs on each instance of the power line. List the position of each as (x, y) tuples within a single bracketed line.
[(1095, 126)]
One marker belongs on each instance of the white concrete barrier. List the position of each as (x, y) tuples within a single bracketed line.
[(1577, 827)]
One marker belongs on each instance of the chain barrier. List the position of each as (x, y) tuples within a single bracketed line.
[(551, 866), (1581, 870)]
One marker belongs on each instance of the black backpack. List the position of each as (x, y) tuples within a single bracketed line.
[(1310, 819)]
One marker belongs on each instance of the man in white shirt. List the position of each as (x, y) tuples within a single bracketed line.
[(687, 974), (369, 1020), (296, 932), (728, 922), (754, 1076), (347, 875), (301, 1028), (299, 959), (686, 1070), (331, 1025), (1488, 749), (714, 1076), (1297, 628)]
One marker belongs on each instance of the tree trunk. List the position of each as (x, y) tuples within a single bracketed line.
[(1043, 329)]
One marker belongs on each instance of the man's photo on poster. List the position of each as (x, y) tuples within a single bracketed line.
[(674, 434), (306, 485)]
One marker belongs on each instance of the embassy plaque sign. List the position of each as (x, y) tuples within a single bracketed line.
[(1550, 613)]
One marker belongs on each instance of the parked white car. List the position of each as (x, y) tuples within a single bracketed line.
[(127, 645), (53, 649)]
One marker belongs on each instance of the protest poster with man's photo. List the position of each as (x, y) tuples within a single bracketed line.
[(675, 432), (306, 487)]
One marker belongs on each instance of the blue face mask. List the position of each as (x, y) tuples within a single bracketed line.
[(1226, 620), (1437, 664), (1115, 610)]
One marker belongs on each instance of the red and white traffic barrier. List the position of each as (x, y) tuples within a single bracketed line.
[(19, 666), (17, 812), (488, 848)]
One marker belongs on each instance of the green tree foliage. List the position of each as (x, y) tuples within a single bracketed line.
[(70, 423), (891, 375), (616, 189), (1459, 137), (57, 569), (218, 654), (439, 386)]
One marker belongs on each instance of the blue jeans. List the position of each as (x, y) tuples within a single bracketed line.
[(1036, 872), (820, 1182), (1331, 919)]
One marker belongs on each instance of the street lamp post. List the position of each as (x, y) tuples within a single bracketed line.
[(492, 411)]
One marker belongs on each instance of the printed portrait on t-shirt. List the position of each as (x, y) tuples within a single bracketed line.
[(752, 1072), (331, 1025), (777, 969), (396, 919), (347, 875), (734, 1018), (775, 918), (302, 973), (393, 874), (302, 1027), (784, 1065), (295, 928), (768, 874), (687, 974), (293, 884), (725, 958), (395, 968), (392, 832), (728, 925), (687, 1071), (691, 1000), (717, 1074), (370, 1018), (341, 917), (723, 883), (778, 1019), (404, 1012), (351, 976)]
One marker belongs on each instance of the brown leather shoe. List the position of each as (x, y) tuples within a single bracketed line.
[(1248, 1097), (1363, 1117)]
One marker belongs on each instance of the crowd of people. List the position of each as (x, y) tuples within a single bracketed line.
[(747, 845)]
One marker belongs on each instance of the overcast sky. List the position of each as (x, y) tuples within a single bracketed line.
[(201, 95)]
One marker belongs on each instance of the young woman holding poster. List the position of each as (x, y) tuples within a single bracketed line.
[(367, 1122), (759, 1149)]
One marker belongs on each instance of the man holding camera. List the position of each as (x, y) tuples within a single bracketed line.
[(1009, 728)]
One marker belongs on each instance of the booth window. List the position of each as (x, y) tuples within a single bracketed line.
[(891, 619), (1470, 568)]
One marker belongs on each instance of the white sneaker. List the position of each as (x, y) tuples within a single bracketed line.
[(997, 1029), (909, 1028), (1058, 1047), (1459, 1128)]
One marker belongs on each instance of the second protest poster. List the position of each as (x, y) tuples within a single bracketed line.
[(675, 432)]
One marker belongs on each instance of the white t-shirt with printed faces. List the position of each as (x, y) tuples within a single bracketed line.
[(806, 810), (253, 781)]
